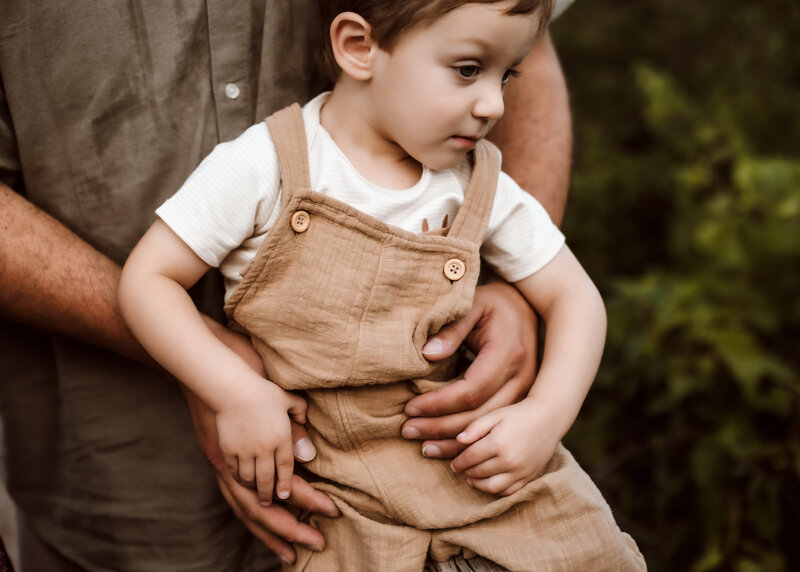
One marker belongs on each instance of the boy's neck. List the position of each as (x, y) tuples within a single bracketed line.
[(352, 122)]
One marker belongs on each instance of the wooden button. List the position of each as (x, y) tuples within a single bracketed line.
[(300, 221), (454, 269)]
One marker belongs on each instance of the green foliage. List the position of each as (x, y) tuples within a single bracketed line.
[(686, 210)]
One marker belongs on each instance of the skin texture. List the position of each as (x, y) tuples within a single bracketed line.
[(78, 299)]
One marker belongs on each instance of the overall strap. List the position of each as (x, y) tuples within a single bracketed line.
[(473, 216), (288, 133)]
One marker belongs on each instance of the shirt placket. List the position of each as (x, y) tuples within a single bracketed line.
[(228, 34)]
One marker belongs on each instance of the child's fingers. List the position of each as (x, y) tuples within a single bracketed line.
[(265, 479), (486, 469), (232, 462), (297, 407), (494, 484), (284, 468), (473, 455), (247, 471), (514, 487), (479, 428)]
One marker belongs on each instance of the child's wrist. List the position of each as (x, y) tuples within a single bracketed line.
[(243, 390), (559, 415)]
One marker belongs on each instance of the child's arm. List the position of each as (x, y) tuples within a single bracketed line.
[(251, 412), (511, 446)]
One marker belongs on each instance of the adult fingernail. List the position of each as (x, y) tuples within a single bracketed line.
[(284, 559), (333, 513), (283, 495), (313, 547), (413, 411), (431, 451), (411, 432), (304, 450), (433, 346)]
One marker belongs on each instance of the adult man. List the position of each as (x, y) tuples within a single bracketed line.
[(104, 110)]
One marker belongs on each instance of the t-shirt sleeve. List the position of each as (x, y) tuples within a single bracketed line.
[(520, 238), (560, 7), (228, 197)]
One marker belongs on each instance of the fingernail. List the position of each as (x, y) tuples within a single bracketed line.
[(433, 346), (283, 495), (314, 548), (304, 450), (411, 432), (431, 451), (413, 411), (264, 503), (461, 436), (284, 559), (333, 513)]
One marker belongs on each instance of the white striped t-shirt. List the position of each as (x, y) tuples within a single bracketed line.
[(225, 209)]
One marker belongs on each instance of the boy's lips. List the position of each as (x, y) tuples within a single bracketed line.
[(466, 140)]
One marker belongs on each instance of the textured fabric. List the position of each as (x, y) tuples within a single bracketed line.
[(229, 204), (341, 310), (105, 109)]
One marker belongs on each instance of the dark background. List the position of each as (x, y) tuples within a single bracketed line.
[(685, 209)]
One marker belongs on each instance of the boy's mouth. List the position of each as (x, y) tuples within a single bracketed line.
[(465, 140)]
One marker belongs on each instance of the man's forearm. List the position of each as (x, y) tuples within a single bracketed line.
[(52, 280), (535, 133)]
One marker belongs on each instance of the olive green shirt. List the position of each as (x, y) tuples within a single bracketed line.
[(105, 109)]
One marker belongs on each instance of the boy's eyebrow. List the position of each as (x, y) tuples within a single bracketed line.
[(480, 43), (475, 40)]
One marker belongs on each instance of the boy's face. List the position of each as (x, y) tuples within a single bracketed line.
[(440, 90)]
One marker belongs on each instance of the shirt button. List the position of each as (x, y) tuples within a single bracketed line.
[(300, 221), (232, 91), (454, 269)]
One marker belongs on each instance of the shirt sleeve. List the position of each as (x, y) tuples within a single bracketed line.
[(520, 238), (9, 153), (228, 198)]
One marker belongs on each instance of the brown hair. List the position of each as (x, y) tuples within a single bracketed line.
[(390, 19)]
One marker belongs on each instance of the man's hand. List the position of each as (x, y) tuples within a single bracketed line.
[(274, 525), (501, 330)]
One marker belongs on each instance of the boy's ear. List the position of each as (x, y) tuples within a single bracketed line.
[(352, 44)]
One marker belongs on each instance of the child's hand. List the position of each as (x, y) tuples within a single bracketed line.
[(509, 447), (255, 437)]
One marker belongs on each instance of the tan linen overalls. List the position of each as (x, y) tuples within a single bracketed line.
[(339, 305)]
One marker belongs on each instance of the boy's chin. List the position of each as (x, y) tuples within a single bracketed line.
[(442, 164)]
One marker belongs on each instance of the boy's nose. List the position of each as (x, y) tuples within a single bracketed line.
[(489, 104)]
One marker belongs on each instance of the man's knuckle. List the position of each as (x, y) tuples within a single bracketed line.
[(473, 399), (250, 512), (433, 431), (517, 353)]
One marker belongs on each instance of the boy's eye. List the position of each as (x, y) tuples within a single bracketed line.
[(468, 71), (509, 74)]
